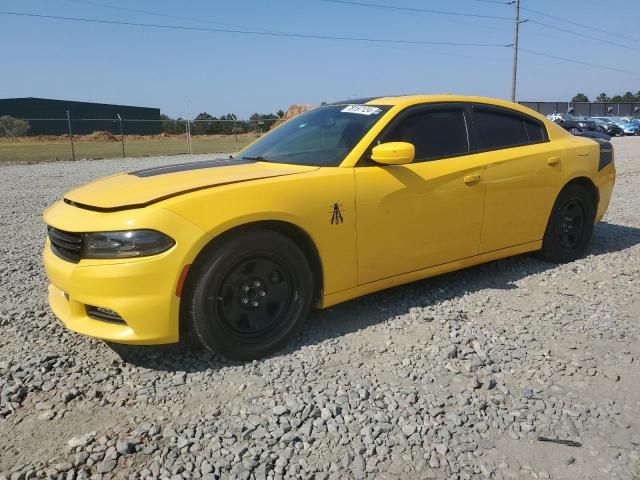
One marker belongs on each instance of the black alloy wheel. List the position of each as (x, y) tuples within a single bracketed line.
[(248, 294), (253, 298), (570, 225)]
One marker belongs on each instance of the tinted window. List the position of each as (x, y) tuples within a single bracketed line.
[(501, 129), (434, 133), (534, 131)]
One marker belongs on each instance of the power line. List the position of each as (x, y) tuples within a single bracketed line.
[(164, 15), (409, 9), (495, 2), (603, 67), (584, 35), (590, 27), (253, 32)]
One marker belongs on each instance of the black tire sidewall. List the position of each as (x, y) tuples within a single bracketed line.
[(552, 250), (216, 262)]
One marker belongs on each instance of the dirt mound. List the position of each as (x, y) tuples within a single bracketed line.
[(101, 136), (293, 110)]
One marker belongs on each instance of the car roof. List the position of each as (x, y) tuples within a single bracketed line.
[(409, 100), (404, 101)]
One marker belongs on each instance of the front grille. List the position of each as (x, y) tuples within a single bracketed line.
[(66, 245), (104, 314)]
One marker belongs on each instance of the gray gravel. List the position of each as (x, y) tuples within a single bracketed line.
[(454, 377)]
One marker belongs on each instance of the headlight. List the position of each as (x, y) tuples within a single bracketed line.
[(129, 244), (582, 124)]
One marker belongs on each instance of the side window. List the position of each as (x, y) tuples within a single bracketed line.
[(501, 130), (534, 131), (434, 133)]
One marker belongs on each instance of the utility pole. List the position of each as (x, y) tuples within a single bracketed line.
[(514, 77), (73, 149), (186, 101), (121, 134), (235, 130)]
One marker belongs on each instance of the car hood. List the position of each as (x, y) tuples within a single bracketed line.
[(144, 187)]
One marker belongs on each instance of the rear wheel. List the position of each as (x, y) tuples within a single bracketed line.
[(250, 295), (570, 226)]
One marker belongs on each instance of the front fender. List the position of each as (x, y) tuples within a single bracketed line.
[(305, 200)]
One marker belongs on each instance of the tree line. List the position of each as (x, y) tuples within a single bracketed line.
[(627, 97), (207, 124)]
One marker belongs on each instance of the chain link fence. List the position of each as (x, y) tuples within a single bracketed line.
[(126, 137)]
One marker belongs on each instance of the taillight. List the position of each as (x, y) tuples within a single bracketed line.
[(606, 154)]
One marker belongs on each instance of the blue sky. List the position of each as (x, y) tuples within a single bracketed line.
[(221, 73)]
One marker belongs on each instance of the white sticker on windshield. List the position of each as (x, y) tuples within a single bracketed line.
[(361, 109)]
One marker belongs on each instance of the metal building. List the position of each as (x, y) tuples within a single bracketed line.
[(49, 117), (589, 109)]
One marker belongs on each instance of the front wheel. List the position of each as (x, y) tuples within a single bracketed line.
[(250, 295), (570, 226)]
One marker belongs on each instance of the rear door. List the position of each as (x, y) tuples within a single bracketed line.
[(523, 175)]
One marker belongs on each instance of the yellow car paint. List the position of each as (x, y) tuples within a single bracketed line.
[(397, 223)]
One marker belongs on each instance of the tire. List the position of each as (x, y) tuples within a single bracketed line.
[(250, 295), (570, 226)]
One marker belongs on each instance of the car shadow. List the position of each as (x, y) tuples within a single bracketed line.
[(378, 307)]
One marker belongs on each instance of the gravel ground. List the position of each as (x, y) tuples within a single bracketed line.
[(453, 377)]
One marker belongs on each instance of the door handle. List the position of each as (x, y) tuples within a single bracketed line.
[(472, 179), (553, 161)]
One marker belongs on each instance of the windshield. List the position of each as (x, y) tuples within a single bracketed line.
[(320, 137)]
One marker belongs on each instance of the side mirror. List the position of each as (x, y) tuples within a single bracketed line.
[(393, 153)]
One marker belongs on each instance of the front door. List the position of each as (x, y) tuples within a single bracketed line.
[(429, 212)]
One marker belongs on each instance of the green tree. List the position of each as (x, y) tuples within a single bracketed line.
[(203, 124), (13, 127), (580, 97), (629, 97), (261, 122), (280, 113), (616, 99), (172, 125), (602, 98)]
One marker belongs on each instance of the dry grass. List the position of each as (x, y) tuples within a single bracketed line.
[(43, 149)]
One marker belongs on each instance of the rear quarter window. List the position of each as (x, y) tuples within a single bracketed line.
[(497, 128)]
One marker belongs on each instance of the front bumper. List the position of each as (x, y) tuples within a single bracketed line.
[(142, 291)]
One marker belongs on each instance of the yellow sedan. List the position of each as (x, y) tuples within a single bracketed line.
[(338, 202)]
